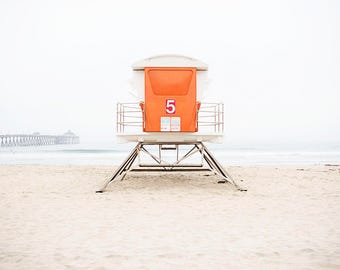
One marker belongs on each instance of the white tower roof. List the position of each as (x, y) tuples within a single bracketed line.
[(170, 60)]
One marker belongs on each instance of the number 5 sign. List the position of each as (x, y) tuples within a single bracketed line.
[(170, 106)]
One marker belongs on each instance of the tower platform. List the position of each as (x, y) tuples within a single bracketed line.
[(170, 137)]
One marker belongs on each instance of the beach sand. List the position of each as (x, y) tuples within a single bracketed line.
[(51, 218)]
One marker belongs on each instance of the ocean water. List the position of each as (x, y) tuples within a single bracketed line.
[(109, 153)]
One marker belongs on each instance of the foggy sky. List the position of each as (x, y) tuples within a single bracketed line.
[(275, 64)]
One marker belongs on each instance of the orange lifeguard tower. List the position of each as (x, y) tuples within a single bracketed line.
[(170, 116)]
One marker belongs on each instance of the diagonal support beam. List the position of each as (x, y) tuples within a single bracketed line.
[(191, 152)]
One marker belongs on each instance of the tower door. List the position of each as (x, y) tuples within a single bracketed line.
[(170, 100)]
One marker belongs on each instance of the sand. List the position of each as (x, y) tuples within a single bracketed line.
[(51, 218)]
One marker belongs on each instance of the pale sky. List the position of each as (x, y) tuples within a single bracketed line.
[(275, 64)]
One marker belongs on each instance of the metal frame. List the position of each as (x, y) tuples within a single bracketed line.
[(210, 119), (162, 165)]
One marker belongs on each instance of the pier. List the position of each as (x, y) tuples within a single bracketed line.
[(36, 139)]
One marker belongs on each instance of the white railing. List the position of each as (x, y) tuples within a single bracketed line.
[(129, 117), (211, 117)]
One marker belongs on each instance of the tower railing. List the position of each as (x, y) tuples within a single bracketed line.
[(129, 117)]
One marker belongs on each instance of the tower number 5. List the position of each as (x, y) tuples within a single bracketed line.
[(170, 106)]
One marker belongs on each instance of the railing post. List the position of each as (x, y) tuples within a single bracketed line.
[(222, 117), (215, 118), (124, 117), (117, 125)]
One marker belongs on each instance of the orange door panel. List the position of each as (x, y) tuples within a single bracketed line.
[(170, 100)]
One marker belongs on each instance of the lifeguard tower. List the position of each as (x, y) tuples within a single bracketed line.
[(170, 118)]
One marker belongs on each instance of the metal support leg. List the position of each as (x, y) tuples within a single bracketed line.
[(217, 167), (123, 168)]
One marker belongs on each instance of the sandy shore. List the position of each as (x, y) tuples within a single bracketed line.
[(51, 218)]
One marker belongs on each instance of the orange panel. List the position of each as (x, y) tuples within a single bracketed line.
[(170, 100)]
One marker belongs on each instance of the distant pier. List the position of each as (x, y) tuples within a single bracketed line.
[(10, 140)]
